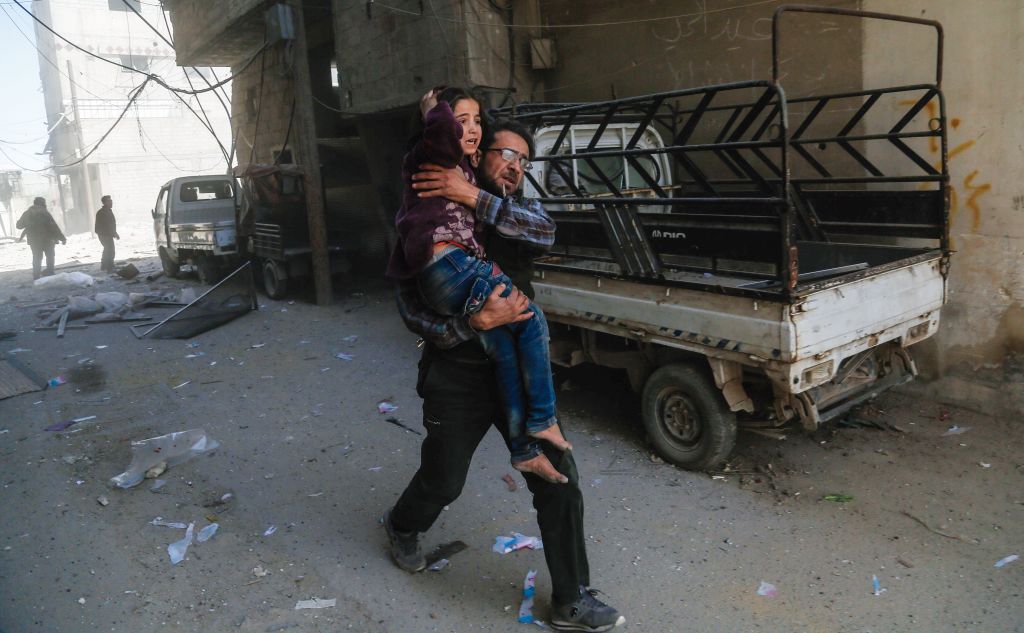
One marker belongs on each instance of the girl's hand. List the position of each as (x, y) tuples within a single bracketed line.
[(428, 102)]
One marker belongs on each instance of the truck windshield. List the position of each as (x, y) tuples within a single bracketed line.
[(206, 190)]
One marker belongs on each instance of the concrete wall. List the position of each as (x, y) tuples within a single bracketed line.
[(217, 33), (984, 91), (268, 105), (632, 53)]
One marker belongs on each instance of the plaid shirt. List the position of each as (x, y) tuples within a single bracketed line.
[(514, 218)]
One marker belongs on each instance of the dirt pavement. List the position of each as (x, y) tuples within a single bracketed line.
[(304, 449)]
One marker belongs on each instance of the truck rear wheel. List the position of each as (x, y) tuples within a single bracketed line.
[(171, 269), (275, 279), (686, 418)]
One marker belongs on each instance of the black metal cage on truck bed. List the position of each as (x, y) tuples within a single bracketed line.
[(738, 188)]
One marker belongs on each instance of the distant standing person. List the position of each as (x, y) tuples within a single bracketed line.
[(106, 230), (42, 233)]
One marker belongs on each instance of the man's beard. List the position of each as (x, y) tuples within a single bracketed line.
[(492, 187)]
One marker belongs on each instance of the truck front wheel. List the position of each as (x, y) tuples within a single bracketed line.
[(686, 418), (275, 279)]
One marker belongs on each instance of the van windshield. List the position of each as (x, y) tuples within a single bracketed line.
[(206, 190)]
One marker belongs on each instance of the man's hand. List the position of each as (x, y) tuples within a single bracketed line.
[(500, 310), (116, 236), (434, 181), (64, 242)]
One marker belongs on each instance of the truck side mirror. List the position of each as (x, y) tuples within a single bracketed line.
[(153, 212)]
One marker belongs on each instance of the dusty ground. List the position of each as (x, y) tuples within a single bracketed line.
[(304, 449)]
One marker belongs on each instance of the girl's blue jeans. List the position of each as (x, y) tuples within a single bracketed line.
[(456, 283)]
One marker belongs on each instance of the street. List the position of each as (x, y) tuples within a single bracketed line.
[(304, 449)]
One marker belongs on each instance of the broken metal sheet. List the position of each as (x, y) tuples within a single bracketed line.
[(16, 379), (234, 296)]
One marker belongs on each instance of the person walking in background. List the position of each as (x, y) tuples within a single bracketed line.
[(42, 233), (106, 230)]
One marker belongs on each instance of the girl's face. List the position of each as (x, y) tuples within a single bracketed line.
[(467, 113)]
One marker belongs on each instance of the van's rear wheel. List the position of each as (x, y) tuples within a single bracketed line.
[(275, 279), (171, 269), (686, 418), (208, 269)]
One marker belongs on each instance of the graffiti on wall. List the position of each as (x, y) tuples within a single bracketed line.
[(973, 190)]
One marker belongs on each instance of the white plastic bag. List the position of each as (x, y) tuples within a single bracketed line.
[(63, 280), (166, 450)]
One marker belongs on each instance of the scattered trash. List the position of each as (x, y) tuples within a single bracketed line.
[(65, 280), (511, 483), (81, 601), (385, 407), (101, 347), (439, 565), (56, 382), (985, 464), (60, 426), (344, 356), (906, 563), (159, 521), (156, 471), (207, 533), (656, 460), (526, 608), (167, 450), (956, 430), (876, 586), (128, 271), (597, 482), (505, 544), (375, 469), (767, 590), (270, 530), (1003, 562), (157, 485), (72, 459), (315, 603), (257, 345), (351, 339), (838, 498), (398, 422), (177, 549), (259, 572), (102, 500)]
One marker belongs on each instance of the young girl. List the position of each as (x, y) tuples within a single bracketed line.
[(438, 245)]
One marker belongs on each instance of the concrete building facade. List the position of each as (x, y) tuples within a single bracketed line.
[(157, 138), (517, 51)]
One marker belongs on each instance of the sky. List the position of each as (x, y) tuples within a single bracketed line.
[(22, 116)]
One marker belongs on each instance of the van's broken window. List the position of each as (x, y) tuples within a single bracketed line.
[(206, 190)]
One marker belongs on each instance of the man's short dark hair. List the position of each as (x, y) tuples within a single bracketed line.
[(104, 198), (40, 200), (507, 125)]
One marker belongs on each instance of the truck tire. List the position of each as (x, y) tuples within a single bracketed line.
[(686, 417), (275, 279), (171, 269), (208, 269)]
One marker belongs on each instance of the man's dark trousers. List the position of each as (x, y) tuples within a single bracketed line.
[(38, 250), (107, 261), (460, 404)]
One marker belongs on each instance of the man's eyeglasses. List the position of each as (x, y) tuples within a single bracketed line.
[(512, 156)]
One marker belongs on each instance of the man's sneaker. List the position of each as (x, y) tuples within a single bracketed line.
[(405, 547), (587, 613)]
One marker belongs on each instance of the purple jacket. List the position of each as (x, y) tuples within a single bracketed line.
[(422, 222)]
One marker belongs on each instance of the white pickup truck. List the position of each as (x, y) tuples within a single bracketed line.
[(745, 256)]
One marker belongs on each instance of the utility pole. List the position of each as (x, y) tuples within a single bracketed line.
[(83, 166), (305, 127)]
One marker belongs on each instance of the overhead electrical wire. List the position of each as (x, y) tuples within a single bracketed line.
[(151, 76), (95, 145)]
